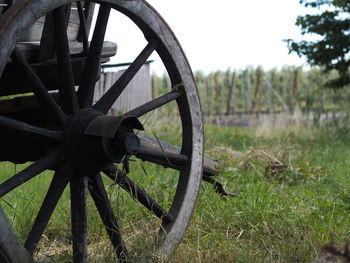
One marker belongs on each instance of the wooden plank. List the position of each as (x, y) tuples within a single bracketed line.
[(30, 49), (74, 24), (140, 85), (35, 32)]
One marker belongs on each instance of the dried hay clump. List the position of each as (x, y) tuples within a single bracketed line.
[(279, 155), (273, 162), (272, 158), (224, 153)]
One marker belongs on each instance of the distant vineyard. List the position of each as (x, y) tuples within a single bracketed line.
[(254, 90)]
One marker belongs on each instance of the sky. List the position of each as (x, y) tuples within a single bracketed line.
[(221, 34)]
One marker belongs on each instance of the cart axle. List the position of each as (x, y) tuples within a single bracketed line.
[(93, 140)]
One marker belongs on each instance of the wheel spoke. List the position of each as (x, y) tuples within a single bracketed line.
[(108, 99), (46, 101), (138, 193), (104, 208), (78, 186), (68, 95), (83, 28), (89, 77), (50, 160), (154, 104), (47, 42), (57, 186), (28, 129)]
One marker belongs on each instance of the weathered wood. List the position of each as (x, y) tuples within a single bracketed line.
[(68, 98), (30, 50), (48, 161), (46, 49), (152, 26), (137, 192), (27, 129), (104, 208), (57, 186), (105, 103), (88, 12), (137, 93), (47, 40), (92, 67), (11, 84), (210, 167), (48, 104), (10, 250), (78, 191), (34, 33)]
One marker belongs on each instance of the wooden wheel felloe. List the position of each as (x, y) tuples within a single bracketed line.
[(68, 133)]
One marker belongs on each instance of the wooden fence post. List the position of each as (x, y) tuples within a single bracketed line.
[(231, 86), (153, 86), (249, 90), (269, 91), (208, 93), (242, 91), (217, 94), (259, 76), (294, 89)]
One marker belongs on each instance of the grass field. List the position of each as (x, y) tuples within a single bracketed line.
[(293, 198)]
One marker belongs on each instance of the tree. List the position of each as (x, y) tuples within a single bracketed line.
[(332, 50)]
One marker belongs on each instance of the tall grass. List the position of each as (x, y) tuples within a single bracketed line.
[(286, 216), (283, 213)]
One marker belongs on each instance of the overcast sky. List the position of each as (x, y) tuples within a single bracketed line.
[(223, 34)]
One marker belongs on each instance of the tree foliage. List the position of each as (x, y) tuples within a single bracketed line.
[(332, 50)]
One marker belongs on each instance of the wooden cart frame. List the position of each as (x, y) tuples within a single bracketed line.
[(45, 51)]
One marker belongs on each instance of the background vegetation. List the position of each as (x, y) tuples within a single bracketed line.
[(254, 90)]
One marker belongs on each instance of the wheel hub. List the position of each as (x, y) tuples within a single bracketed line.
[(93, 140)]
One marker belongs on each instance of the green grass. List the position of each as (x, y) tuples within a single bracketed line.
[(286, 217), (283, 215)]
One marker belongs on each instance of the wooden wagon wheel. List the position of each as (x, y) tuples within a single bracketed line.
[(80, 140)]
